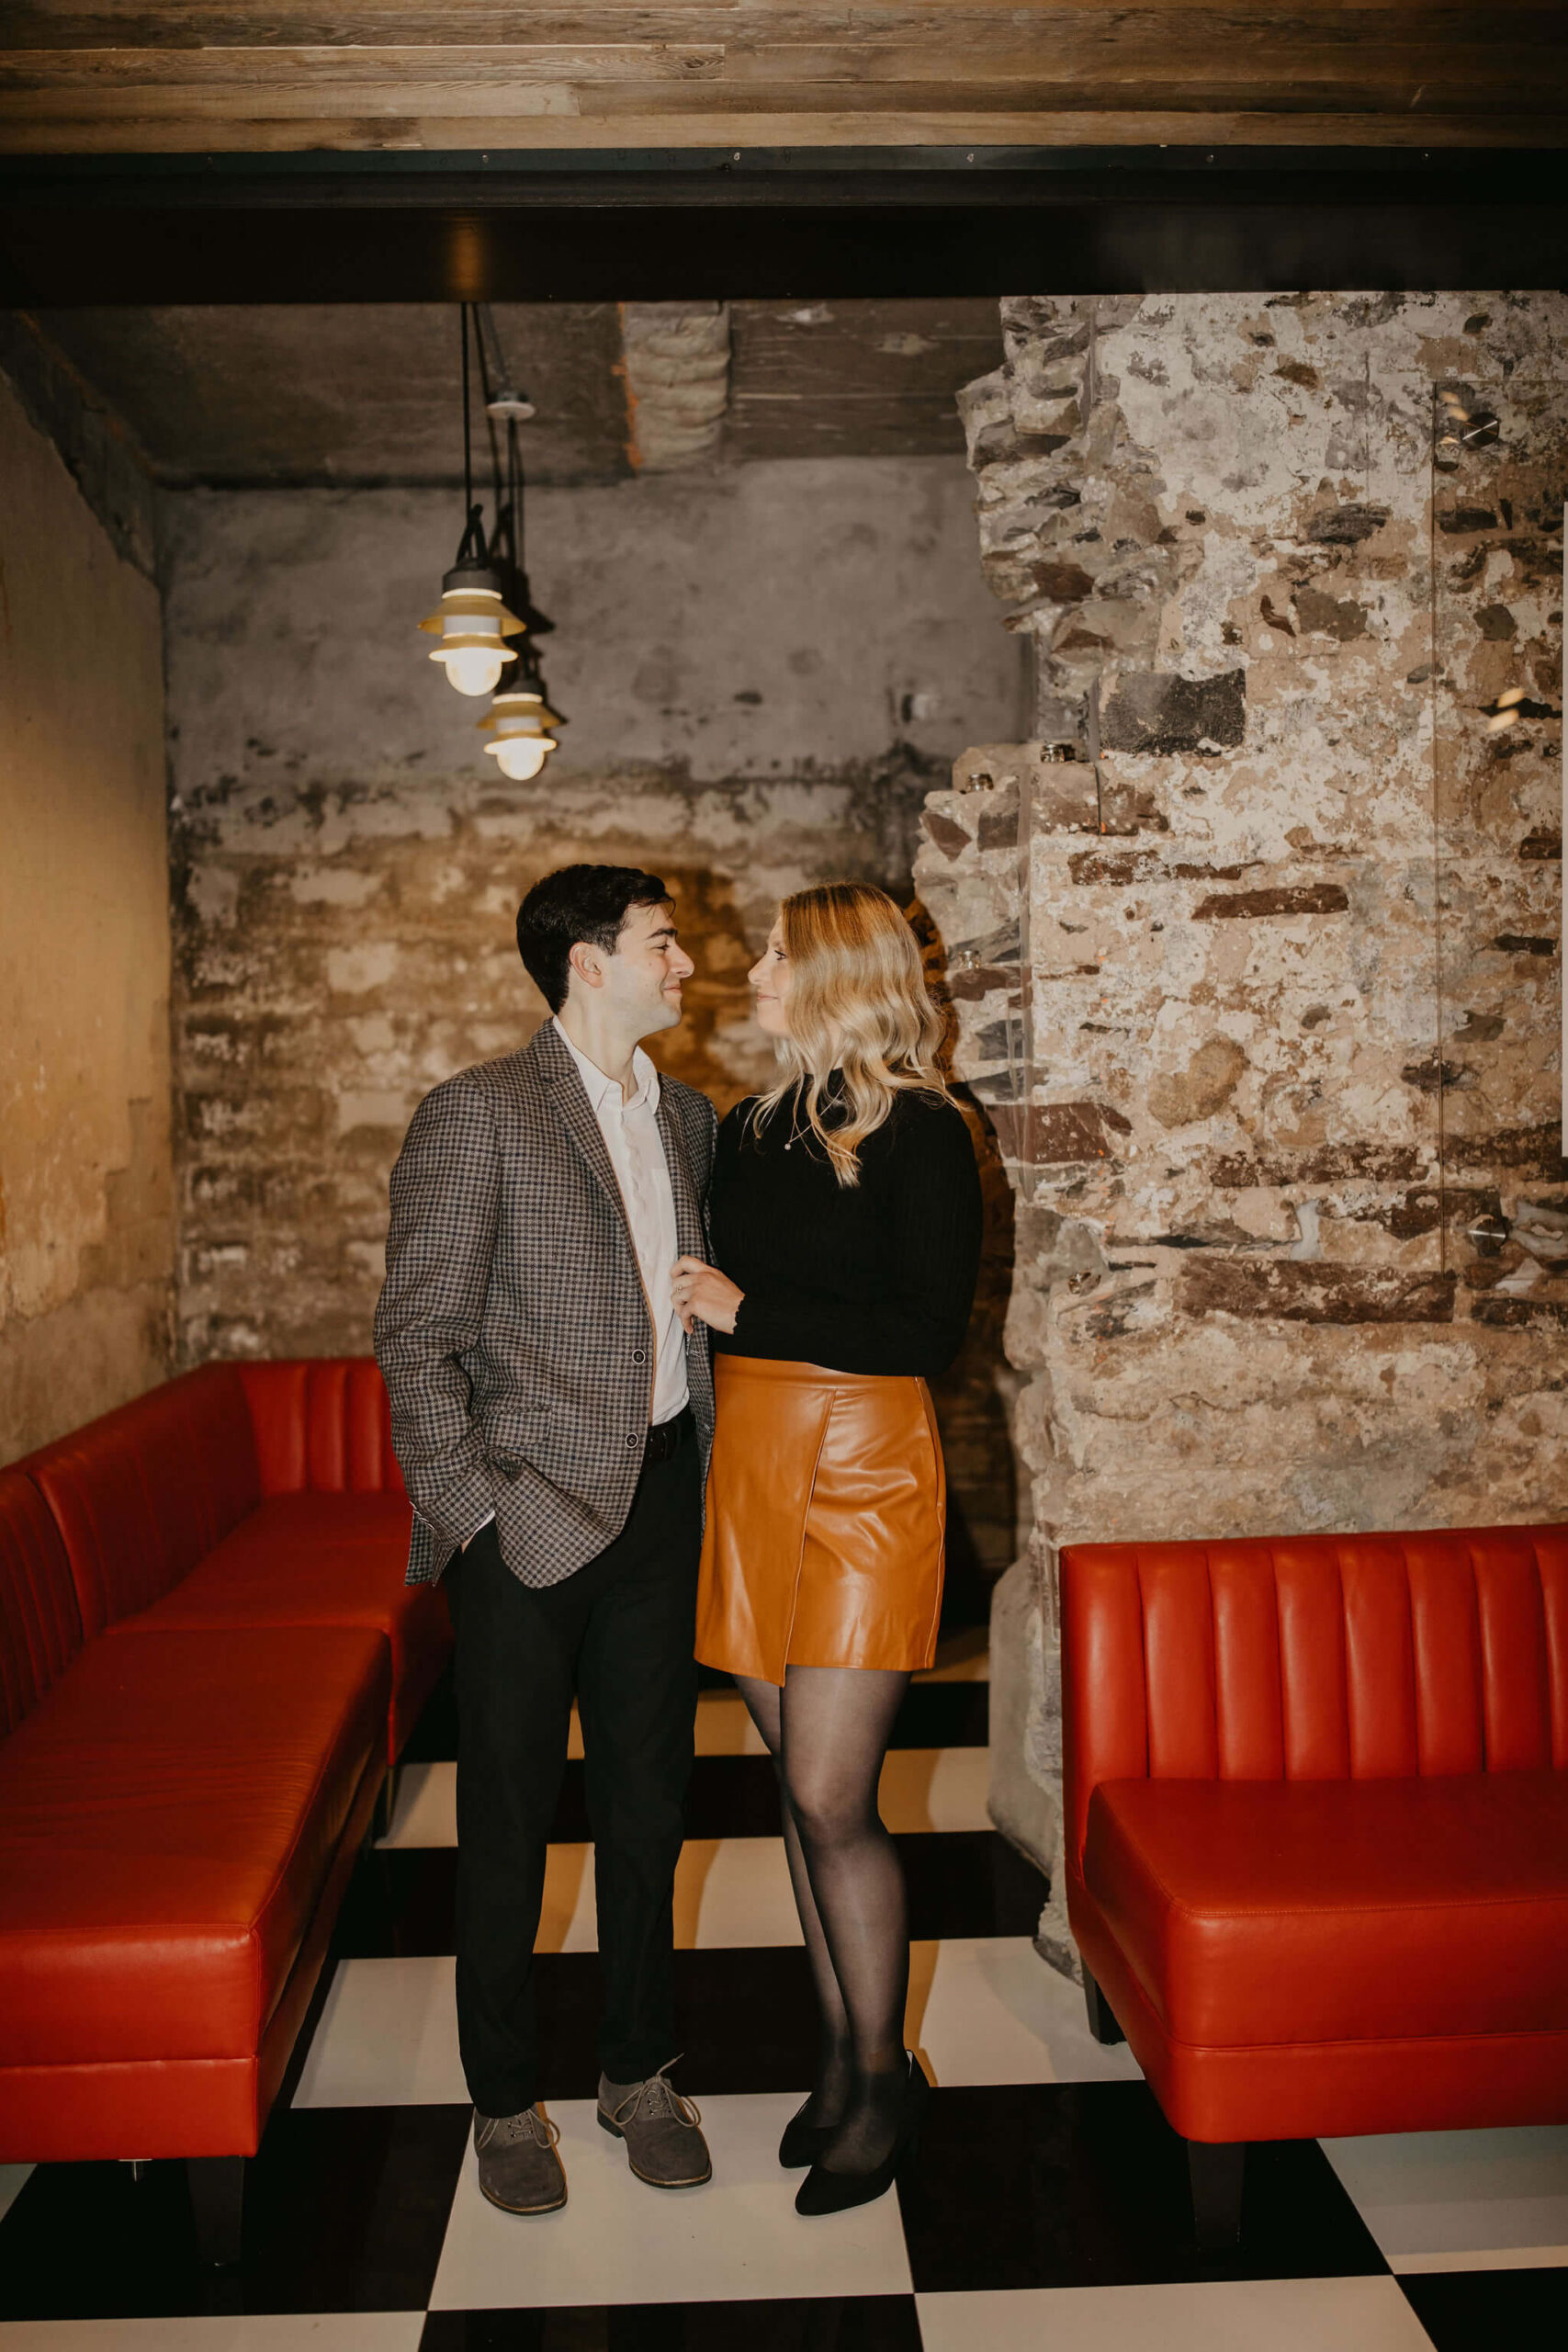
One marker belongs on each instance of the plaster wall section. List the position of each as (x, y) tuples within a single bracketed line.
[(1263, 986), (86, 1204), (763, 671)]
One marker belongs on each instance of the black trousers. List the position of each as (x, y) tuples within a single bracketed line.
[(619, 1633)]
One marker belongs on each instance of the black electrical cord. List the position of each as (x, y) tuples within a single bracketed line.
[(467, 449)]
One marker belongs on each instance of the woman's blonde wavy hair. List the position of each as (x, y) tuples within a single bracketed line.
[(858, 1003)]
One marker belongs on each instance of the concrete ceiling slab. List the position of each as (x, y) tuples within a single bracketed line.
[(301, 393), (293, 395)]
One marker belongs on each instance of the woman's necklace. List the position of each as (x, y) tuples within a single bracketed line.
[(796, 1134)]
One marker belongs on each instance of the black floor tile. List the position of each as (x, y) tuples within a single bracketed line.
[(730, 1796), (345, 2209), (1085, 2184), (934, 1714), (969, 1882), (402, 1900), (944, 1714), (400, 1904), (745, 2021), (1490, 2311), (434, 1739), (850, 2323)]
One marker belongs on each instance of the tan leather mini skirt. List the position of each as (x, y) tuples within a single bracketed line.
[(825, 1514)]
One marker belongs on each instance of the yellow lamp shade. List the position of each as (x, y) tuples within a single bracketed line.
[(516, 722), (473, 625)]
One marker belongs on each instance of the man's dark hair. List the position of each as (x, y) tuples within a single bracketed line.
[(586, 903)]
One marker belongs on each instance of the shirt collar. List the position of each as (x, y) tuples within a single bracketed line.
[(601, 1089)]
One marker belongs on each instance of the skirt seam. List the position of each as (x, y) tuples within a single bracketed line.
[(940, 1469), (800, 1550)]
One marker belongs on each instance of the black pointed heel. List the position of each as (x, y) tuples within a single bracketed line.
[(835, 2192), (803, 2143)]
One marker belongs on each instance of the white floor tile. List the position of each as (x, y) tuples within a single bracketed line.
[(388, 2037), (1229, 2315), (734, 1891), (724, 1727), (728, 1891), (13, 2179), (935, 1788), (426, 1811), (982, 2010), (963, 1657), (987, 2009), (922, 1788), (1458, 2200), (618, 2242), (274, 2331)]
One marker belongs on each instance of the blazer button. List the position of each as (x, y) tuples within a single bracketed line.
[(639, 1355), (631, 1440)]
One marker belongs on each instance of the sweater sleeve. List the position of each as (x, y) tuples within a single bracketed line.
[(936, 1215)]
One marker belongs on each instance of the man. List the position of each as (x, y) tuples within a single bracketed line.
[(553, 1423)]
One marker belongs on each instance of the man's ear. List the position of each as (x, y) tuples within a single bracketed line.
[(588, 963)]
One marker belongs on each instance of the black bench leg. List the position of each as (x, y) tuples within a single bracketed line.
[(1215, 2170), (1101, 2024), (217, 2202)]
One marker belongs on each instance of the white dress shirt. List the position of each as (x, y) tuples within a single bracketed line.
[(631, 1134)]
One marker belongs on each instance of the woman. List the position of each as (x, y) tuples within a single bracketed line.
[(846, 1235)]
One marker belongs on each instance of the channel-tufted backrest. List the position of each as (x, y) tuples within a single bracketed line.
[(322, 1425), (40, 1625), (1313, 1657), (143, 1493)]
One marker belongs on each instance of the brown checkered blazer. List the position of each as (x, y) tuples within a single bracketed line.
[(513, 1331)]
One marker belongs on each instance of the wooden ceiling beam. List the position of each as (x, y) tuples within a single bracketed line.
[(189, 134), (126, 76)]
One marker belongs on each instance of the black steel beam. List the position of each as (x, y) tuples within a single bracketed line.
[(927, 221)]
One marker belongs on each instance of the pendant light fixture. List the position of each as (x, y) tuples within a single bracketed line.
[(518, 721), (473, 619)]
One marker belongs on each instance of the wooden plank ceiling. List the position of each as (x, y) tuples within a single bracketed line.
[(126, 76)]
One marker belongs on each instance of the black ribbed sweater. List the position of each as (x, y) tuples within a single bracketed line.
[(876, 1278)]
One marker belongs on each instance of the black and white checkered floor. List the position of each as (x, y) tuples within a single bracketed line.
[(1046, 2207)]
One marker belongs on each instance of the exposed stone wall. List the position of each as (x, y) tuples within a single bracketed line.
[(1265, 996), (763, 671), (86, 1207)]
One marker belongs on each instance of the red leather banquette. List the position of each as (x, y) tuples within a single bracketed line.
[(1316, 1829), (209, 1661)]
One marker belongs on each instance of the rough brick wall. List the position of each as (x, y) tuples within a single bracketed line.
[(1266, 998), (86, 1179), (762, 670)]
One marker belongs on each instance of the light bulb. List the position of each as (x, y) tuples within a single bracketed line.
[(473, 625), (522, 756), (473, 669)]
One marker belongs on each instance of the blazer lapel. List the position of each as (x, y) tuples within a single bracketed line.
[(688, 1210), (574, 1110)]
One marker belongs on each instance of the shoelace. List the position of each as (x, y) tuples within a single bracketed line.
[(508, 2129), (659, 2097)]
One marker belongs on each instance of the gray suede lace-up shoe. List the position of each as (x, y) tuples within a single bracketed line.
[(519, 2170), (662, 2131)]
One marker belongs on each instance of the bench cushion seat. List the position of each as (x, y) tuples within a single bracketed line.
[(170, 1814), (1286, 1912), (321, 1559)]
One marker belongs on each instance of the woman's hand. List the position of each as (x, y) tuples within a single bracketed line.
[(702, 1295)]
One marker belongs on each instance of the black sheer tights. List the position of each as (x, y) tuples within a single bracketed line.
[(827, 1731)]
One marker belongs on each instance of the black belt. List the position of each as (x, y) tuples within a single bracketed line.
[(666, 1438)]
